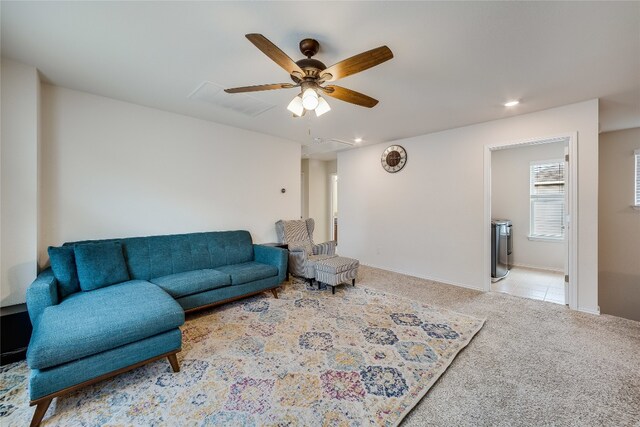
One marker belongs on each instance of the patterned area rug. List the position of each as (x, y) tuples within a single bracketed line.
[(359, 357)]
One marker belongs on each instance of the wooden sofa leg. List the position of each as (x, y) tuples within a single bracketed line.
[(173, 360), (274, 291), (41, 409)]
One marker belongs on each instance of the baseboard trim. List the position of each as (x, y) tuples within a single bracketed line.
[(535, 267), (434, 279), (590, 310)]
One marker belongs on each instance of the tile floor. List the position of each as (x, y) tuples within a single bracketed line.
[(531, 283)]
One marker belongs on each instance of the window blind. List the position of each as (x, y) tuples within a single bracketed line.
[(547, 217), (547, 188)]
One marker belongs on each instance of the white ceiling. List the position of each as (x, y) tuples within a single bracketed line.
[(455, 62)]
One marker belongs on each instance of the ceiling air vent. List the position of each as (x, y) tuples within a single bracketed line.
[(238, 102), (320, 145), (320, 140)]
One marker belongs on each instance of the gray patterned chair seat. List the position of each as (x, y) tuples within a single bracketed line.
[(303, 253)]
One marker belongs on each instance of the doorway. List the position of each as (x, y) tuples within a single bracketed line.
[(530, 237), (319, 196), (304, 201), (333, 206)]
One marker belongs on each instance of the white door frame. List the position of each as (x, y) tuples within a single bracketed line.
[(572, 209), (565, 225)]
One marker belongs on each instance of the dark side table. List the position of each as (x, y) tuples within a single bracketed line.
[(15, 331), (283, 246)]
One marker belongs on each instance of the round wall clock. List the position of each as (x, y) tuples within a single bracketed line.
[(394, 158)]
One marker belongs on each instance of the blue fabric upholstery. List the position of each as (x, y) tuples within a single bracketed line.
[(100, 264), (158, 256), (63, 264), (239, 247), (228, 292), (192, 282), (88, 334), (46, 381), (42, 293), (248, 272), (273, 256), (88, 323)]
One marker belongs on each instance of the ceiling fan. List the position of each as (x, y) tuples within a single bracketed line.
[(309, 74)]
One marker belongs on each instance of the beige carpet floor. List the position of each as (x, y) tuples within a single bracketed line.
[(534, 363)]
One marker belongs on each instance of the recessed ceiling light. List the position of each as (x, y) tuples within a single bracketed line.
[(511, 103), (358, 140)]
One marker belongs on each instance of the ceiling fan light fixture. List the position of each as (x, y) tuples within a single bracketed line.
[(323, 107), (309, 73), (295, 106), (310, 99)]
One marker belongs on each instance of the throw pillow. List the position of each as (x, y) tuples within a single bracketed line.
[(100, 264), (63, 264)]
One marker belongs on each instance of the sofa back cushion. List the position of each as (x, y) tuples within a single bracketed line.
[(100, 265), (63, 264), (156, 256)]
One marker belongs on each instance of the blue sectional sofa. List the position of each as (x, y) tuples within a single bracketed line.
[(108, 306)]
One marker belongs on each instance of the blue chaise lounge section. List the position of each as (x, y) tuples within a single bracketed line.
[(108, 306)]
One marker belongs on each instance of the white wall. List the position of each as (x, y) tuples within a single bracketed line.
[(510, 199), (113, 169), (619, 226), (428, 219), (332, 166), (19, 175)]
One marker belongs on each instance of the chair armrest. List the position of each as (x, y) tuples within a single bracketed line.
[(42, 293), (297, 261), (272, 256), (326, 248)]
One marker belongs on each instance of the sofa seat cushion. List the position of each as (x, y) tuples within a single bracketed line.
[(192, 282), (87, 323), (248, 272)]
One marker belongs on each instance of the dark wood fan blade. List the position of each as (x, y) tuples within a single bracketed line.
[(274, 52), (357, 63), (258, 88), (349, 95)]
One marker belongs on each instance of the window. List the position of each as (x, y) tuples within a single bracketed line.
[(637, 188), (547, 200)]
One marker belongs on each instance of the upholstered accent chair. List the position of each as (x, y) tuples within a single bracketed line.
[(303, 253)]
